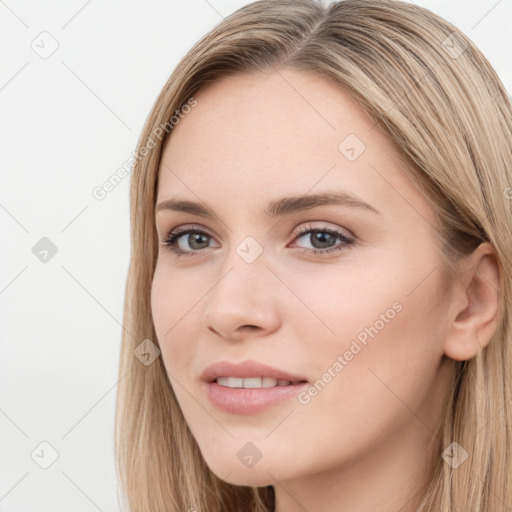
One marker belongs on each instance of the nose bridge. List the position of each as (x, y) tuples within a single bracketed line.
[(243, 273), (241, 296)]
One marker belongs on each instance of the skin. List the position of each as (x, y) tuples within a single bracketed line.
[(367, 439)]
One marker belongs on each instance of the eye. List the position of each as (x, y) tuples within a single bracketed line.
[(323, 240), (195, 240)]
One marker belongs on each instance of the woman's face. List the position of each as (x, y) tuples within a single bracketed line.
[(363, 322)]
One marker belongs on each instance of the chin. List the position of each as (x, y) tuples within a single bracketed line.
[(246, 478), (236, 473)]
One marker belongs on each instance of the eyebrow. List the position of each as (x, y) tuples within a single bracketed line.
[(278, 207)]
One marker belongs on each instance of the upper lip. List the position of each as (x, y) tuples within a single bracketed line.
[(247, 369)]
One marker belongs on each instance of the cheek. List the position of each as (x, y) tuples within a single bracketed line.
[(384, 351), (175, 319), (382, 314)]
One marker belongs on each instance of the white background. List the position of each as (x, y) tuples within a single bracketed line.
[(68, 122)]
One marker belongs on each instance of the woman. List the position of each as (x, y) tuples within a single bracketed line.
[(317, 311)]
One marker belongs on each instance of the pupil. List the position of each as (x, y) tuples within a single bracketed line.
[(322, 237), (196, 237)]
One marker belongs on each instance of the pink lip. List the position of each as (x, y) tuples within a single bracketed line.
[(248, 400), (246, 369)]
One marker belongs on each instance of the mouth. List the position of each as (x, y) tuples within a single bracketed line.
[(248, 374), (249, 387), (251, 400), (254, 382)]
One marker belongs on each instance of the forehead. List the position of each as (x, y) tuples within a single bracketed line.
[(264, 116), (252, 136)]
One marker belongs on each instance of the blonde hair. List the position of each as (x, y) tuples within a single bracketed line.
[(438, 98)]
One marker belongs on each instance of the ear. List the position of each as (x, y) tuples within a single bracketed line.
[(475, 304)]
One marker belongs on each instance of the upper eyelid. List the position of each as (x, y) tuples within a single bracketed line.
[(183, 227)]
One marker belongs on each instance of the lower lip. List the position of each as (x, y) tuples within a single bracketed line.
[(250, 400)]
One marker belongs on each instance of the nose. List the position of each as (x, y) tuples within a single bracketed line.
[(243, 301)]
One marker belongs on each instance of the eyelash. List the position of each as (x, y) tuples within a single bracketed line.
[(172, 237)]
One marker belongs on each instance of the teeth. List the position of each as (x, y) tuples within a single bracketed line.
[(251, 382)]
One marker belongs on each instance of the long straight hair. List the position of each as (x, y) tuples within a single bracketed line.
[(438, 98)]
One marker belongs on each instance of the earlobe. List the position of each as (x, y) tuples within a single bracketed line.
[(476, 302)]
